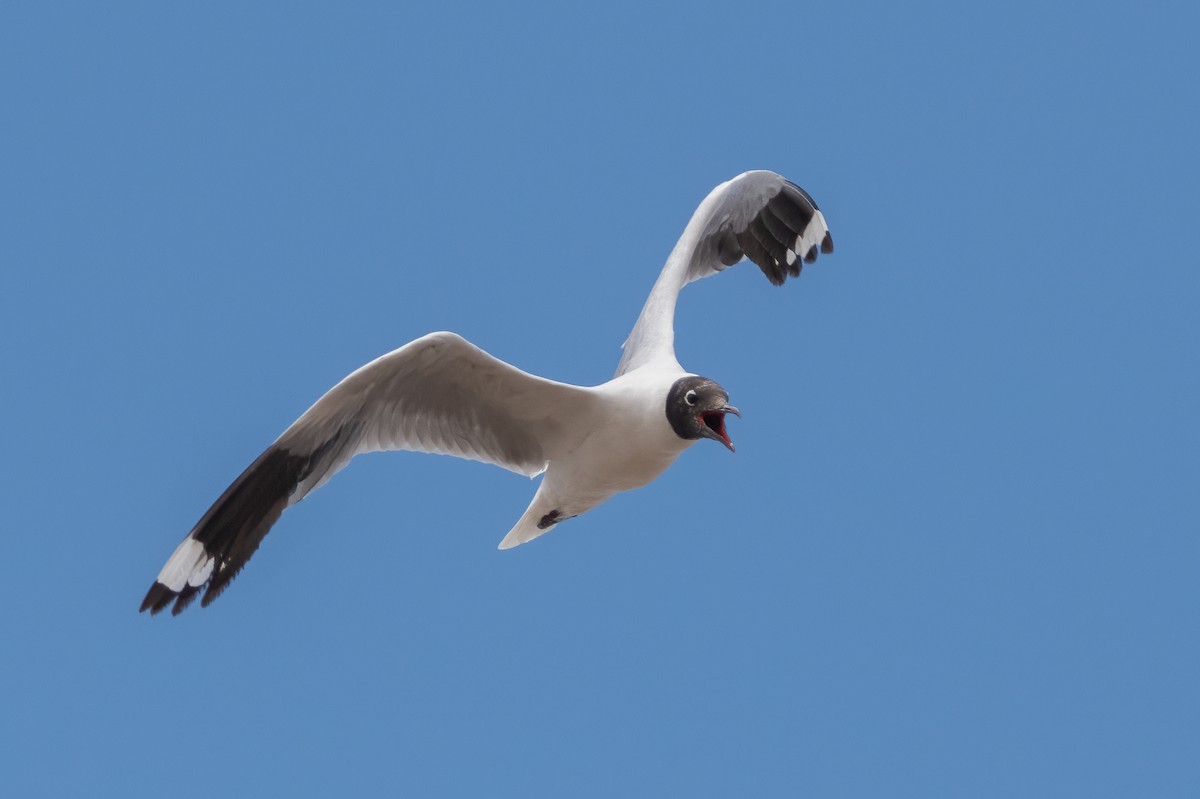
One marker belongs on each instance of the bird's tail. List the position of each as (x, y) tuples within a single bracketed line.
[(538, 519)]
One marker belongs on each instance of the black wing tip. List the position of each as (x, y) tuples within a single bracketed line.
[(775, 233), (157, 598), (219, 582), (235, 525), (799, 190), (184, 598)]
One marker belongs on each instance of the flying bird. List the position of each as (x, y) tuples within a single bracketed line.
[(441, 394)]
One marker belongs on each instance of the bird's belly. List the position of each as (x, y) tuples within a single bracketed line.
[(623, 471), (605, 465)]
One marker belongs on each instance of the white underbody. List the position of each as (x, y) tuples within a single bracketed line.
[(627, 444)]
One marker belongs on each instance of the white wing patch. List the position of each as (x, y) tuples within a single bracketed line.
[(813, 236), (188, 565)]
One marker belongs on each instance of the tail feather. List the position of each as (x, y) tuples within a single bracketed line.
[(523, 532), (538, 519)]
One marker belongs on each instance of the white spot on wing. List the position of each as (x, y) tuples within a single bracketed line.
[(812, 235), (201, 575), (187, 558)]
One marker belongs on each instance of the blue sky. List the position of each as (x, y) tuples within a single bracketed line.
[(954, 555)]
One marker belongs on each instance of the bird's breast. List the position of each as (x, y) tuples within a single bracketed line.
[(628, 444)]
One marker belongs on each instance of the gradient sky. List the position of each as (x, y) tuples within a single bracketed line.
[(955, 554)]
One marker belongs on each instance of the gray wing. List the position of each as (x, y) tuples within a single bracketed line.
[(438, 394), (443, 395), (758, 215)]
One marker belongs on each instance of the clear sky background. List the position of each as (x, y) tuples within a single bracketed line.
[(955, 554)]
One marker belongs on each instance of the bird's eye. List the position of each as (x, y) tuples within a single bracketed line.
[(690, 397)]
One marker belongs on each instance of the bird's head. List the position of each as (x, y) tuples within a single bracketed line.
[(696, 408)]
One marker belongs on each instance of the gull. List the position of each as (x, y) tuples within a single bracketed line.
[(441, 394)]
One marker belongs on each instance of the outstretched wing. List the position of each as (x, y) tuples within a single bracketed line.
[(758, 215), (438, 394)]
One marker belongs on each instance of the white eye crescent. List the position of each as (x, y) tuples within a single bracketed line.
[(690, 397)]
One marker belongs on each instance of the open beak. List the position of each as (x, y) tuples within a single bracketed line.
[(713, 425)]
